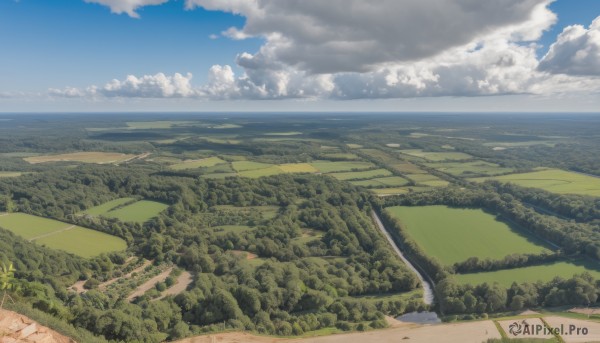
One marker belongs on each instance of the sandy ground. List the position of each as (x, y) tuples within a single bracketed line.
[(181, 284), (520, 325), (593, 328), (17, 328), (528, 312), (473, 332), (149, 284), (585, 310)]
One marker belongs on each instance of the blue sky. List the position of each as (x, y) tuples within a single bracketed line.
[(62, 55)]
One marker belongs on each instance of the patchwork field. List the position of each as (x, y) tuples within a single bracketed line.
[(192, 164), (367, 174), (472, 168), (399, 190), (544, 273), (392, 181), (453, 235), (85, 157), (437, 156), (341, 166), (553, 180), (61, 236), (138, 211)]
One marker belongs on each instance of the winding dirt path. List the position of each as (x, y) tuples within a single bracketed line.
[(52, 233), (427, 290)]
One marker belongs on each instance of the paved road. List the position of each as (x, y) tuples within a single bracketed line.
[(427, 291)]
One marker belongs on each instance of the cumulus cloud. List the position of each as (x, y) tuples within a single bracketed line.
[(575, 52), (147, 86), (127, 6), (382, 49), (355, 35)]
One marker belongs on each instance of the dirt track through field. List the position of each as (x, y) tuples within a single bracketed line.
[(52, 233), (143, 288), (181, 284)]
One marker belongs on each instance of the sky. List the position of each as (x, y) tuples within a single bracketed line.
[(299, 55)]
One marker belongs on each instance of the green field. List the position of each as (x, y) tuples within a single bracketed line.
[(254, 173), (340, 166), (223, 229), (544, 273), (192, 164), (83, 242), (437, 156), (341, 156), (241, 166), (10, 174), (399, 190), (553, 180), (368, 174), (62, 236), (453, 235), (268, 212), (472, 168), (392, 181), (138, 212), (159, 124), (107, 206)]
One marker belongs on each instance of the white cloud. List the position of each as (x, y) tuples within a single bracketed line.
[(356, 36), (382, 49), (127, 6), (575, 52)]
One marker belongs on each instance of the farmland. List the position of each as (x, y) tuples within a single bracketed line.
[(10, 174), (553, 180), (453, 235), (437, 156), (84, 157), (62, 236), (469, 169), (543, 273), (191, 164), (361, 175), (128, 210)]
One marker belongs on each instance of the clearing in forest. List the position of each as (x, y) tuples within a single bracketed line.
[(553, 180), (381, 182), (193, 164), (10, 174), (454, 234), (128, 210), (85, 157), (61, 236)]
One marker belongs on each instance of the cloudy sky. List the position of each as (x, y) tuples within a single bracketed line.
[(299, 55)]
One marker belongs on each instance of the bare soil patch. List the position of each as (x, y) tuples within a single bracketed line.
[(18, 328), (181, 284), (143, 288)]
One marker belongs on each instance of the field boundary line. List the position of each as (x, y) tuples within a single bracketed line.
[(52, 233)]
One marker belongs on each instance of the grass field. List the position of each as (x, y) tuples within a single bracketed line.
[(138, 212), (297, 168), (85, 157), (399, 190), (107, 206), (10, 174), (192, 164), (421, 178), (368, 174), (453, 235), (341, 166), (472, 168), (392, 181), (241, 166), (255, 173), (62, 236), (544, 272), (354, 146), (437, 156), (553, 180)]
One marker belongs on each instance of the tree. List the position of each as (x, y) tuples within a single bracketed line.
[(7, 280)]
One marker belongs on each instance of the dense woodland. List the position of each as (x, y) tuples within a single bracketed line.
[(329, 282)]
